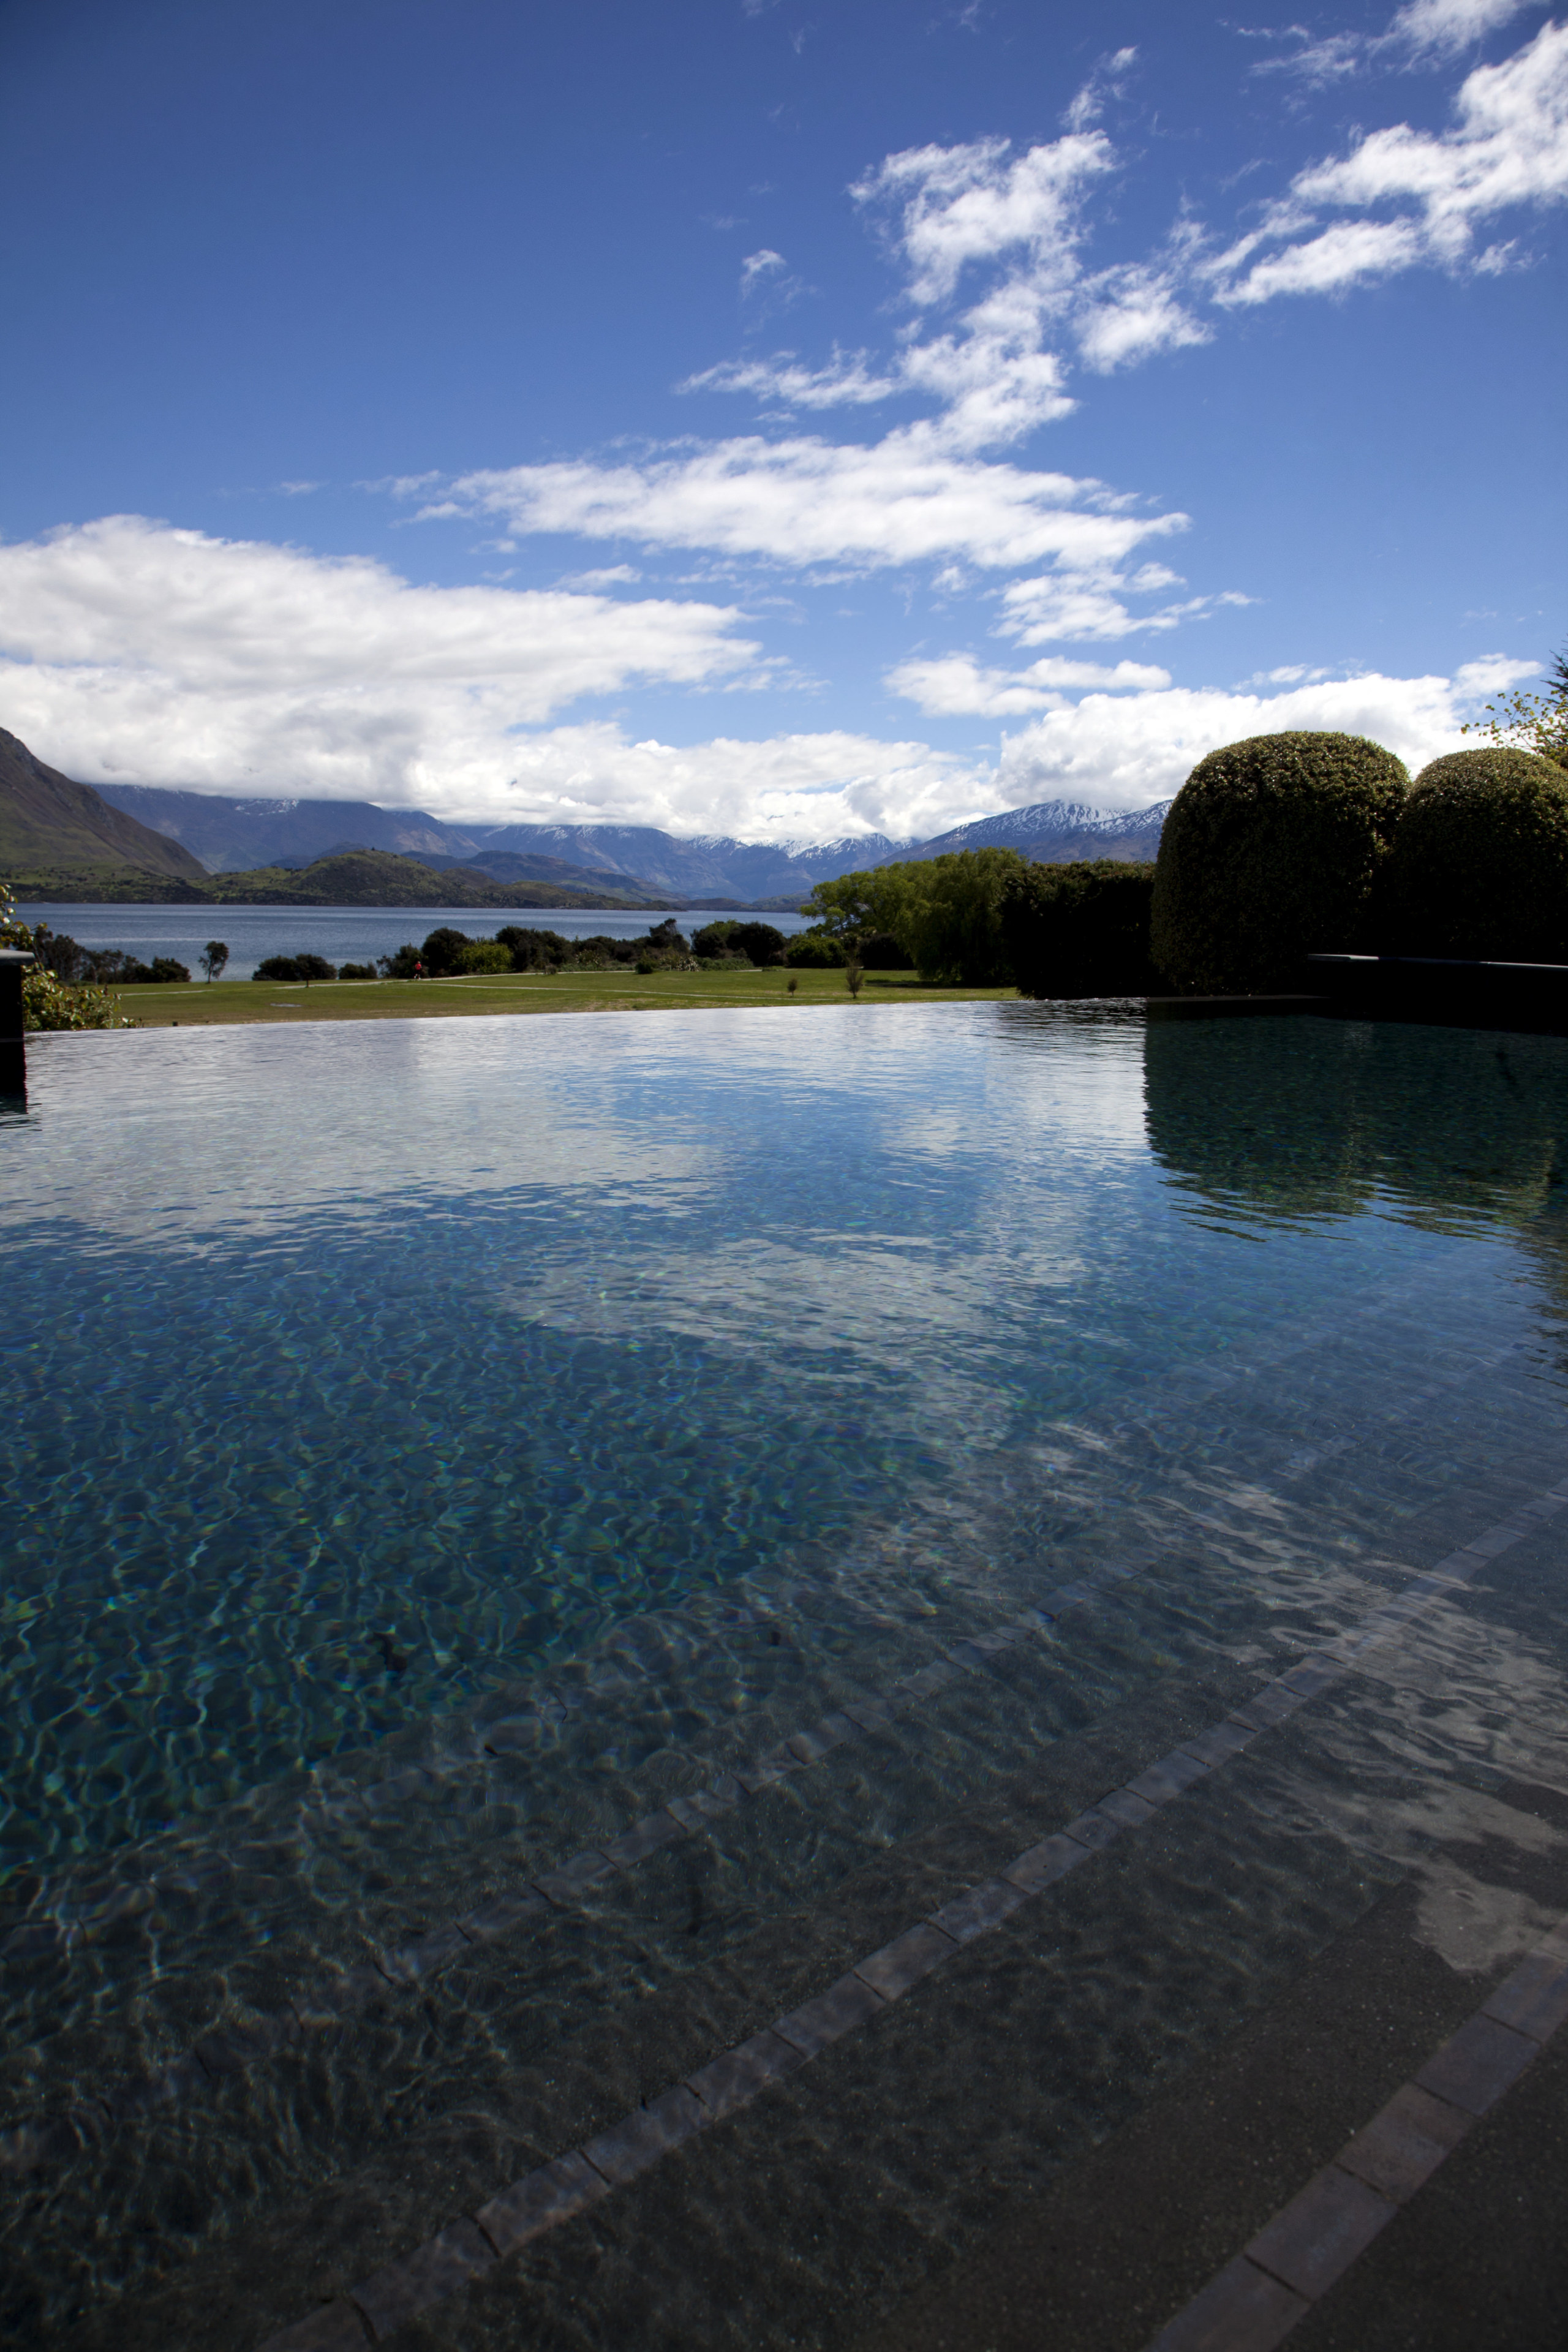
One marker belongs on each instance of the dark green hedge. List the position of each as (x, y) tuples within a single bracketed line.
[(1273, 848), (1080, 930), (1480, 862)]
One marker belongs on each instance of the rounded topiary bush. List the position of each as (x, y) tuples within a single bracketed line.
[(1480, 864), (1271, 851)]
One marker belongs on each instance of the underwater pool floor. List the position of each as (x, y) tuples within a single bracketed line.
[(741, 1681)]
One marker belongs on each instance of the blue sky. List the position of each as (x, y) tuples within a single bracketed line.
[(781, 420)]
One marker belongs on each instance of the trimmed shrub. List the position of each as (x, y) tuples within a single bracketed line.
[(279, 967), (1480, 863), (1080, 930), (1273, 849)]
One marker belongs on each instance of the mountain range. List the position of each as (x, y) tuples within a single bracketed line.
[(49, 822), (230, 834)]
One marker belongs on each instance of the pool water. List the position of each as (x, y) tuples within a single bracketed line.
[(426, 1446)]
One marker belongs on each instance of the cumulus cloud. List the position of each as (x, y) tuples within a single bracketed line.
[(1422, 195), (904, 499), (135, 653), (1124, 752), (956, 684), (165, 656), (1079, 603)]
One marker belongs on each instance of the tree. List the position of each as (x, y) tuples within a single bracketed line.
[(944, 912), (760, 944), (47, 1001), (213, 958), (1532, 723)]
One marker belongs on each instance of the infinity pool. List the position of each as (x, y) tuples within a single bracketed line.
[(556, 1408)]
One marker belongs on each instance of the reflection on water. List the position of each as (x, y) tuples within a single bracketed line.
[(476, 1339), (651, 1387), (1306, 1117)]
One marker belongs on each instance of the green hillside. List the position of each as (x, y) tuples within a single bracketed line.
[(49, 822), (350, 877)]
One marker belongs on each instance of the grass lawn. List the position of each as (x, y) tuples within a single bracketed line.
[(225, 1003)]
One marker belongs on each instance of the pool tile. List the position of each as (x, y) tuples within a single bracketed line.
[(743, 2073), (431, 2273), (1403, 2145), (1476, 2066), (423, 1956), (1221, 1742), (1055, 1856), (232, 2048), (904, 1961), (1167, 1779), (822, 1739), (1241, 2310), (336, 2327), (984, 1906), (838, 2011), (501, 1916), (1534, 1999), (540, 2200), (1320, 2233), (630, 2146), (575, 1878), (644, 1838)]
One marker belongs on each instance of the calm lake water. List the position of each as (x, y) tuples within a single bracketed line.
[(533, 1419), (341, 934)]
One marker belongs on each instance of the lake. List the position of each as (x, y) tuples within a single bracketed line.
[(341, 934)]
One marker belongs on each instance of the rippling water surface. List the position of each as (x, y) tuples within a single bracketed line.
[(428, 1448), (348, 1373)]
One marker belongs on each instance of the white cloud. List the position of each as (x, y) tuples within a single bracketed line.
[(135, 653), (1441, 27), (1125, 752), (784, 788), (166, 656), (1425, 32), (960, 205), (609, 575), (1509, 148), (1076, 604), (1128, 314), (956, 684), (758, 266), (843, 382), (904, 499)]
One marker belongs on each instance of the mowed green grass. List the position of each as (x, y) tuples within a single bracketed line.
[(228, 1002)]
